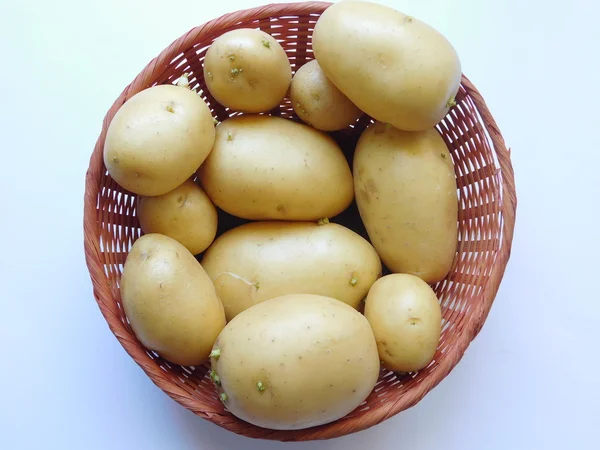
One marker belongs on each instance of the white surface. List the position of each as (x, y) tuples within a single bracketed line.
[(529, 381)]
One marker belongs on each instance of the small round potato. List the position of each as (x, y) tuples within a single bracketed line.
[(295, 362), (170, 301), (185, 214), (406, 318), (318, 102), (247, 70), (158, 139)]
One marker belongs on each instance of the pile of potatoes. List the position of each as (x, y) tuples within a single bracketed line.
[(291, 308)]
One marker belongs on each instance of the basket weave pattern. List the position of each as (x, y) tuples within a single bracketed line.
[(487, 205)]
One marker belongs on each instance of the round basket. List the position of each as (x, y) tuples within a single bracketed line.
[(487, 204)]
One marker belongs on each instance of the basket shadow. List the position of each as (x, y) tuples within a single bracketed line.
[(415, 427)]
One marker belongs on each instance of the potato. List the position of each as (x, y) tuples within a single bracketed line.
[(264, 167), (185, 214), (318, 102), (262, 260), (158, 139), (407, 198), (247, 70), (407, 321), (394, 67), (170, 301), (295, 362)]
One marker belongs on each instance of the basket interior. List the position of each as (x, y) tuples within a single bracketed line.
[(479, 221)]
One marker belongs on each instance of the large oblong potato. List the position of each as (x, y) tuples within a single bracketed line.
[(170, 301), (295, 362), (185, 214), (262, 260), (406, 318), (394, 67), (264, 167), (407, 198), (157, 139), (247, 70)]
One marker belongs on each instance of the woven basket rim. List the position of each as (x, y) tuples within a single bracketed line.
[(106, 303)]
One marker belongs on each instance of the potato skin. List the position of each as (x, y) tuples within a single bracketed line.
[(264, 167), (406, 318), (318, 102), (158, 139), (262, 260), (315, 357), (247, 70), (185, 214), (407, 198), (395, 68), (170, 301)]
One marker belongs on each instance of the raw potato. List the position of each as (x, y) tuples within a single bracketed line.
[(318, 102), (394, 67), (407, 321), (158, 139), (295, 362), (185, 214), (262, 260), (170, 301), (407, 198), (264, 167), (247, 70)]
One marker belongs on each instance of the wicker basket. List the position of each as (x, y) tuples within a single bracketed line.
[(487, 204)]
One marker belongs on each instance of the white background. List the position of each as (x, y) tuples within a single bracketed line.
[(529, 381)]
